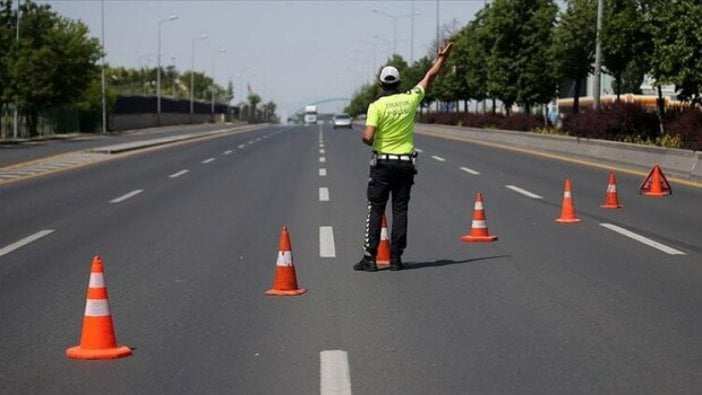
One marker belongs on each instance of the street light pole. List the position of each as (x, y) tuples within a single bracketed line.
[(104, 106), (394, 24), (412, 36), (598, 59), (192, 76), (16, 115), (158, 67), (212, 89)]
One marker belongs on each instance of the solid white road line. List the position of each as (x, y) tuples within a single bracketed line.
[(326, 242), (470, 171), (322, 159), (440, 159), (127, 196), (334, 373), (524, 192), (227, 152), (209, 160), (323, 194), (322, 172), (178, 174), (642, 239), (18, 244)]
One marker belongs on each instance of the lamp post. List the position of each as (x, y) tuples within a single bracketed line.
[(598, 58), (192, 75), (102, 82), (212, 89), (394, 25), (158, 67), (16, 115), (386, 41), (374, 49)]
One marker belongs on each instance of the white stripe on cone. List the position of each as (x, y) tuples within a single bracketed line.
[(611, 188), (478, 205), (478, 224), (97, 308), (97, 280), (284, 258), (384, 234), (566, 194)]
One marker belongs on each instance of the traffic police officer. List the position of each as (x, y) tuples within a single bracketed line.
[(390, 131)]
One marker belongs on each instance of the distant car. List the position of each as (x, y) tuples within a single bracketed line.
[(342, 121)]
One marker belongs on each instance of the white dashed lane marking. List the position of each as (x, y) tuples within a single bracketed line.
[(209, 160), (334, 373), (440, 159), (470, 171), (642, 239), (326, 242), (21, 243), (227, 152), (322, 172), (323, 194), (523, 192), (241, 146), (178, 174), (322, 159), (127, 196)]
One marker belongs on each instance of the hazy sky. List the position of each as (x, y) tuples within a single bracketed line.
[(291, 52)]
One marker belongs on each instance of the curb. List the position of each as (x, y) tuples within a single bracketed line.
[(685, 164)]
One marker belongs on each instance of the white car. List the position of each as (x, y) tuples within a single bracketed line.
[(342, 121)]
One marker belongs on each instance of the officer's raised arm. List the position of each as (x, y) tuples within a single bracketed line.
[(441, 57)]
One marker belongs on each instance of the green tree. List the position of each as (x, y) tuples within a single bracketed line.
[(7, 51), (503, 75), (476, 41), (254, 99), (55, 62), (677, 46), (537, 81), (626, 44), (574, 44)]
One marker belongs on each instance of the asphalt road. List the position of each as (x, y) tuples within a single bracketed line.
[(189, 236), (15, 153)]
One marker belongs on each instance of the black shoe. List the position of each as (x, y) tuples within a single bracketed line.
[(396, 264), (366, 264)]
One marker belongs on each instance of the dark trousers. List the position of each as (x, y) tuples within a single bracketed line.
[(388, 177)]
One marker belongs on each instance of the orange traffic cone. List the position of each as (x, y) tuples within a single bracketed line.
[(98, 338), (383, 255), (285, 282), (568, 210), (611, 198), (655, 184), (478, 230)]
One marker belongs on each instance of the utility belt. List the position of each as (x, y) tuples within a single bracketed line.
[(376, 156)]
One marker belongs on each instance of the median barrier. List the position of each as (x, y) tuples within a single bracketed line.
[(124, 147), (681, 163)]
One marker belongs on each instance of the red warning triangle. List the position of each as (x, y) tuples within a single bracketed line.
[(655, 184)]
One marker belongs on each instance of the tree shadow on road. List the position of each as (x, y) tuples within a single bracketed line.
[(446, 262)]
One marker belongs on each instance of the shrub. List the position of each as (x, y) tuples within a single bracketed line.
[(687, 126), (521, 122), (619, 122)]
